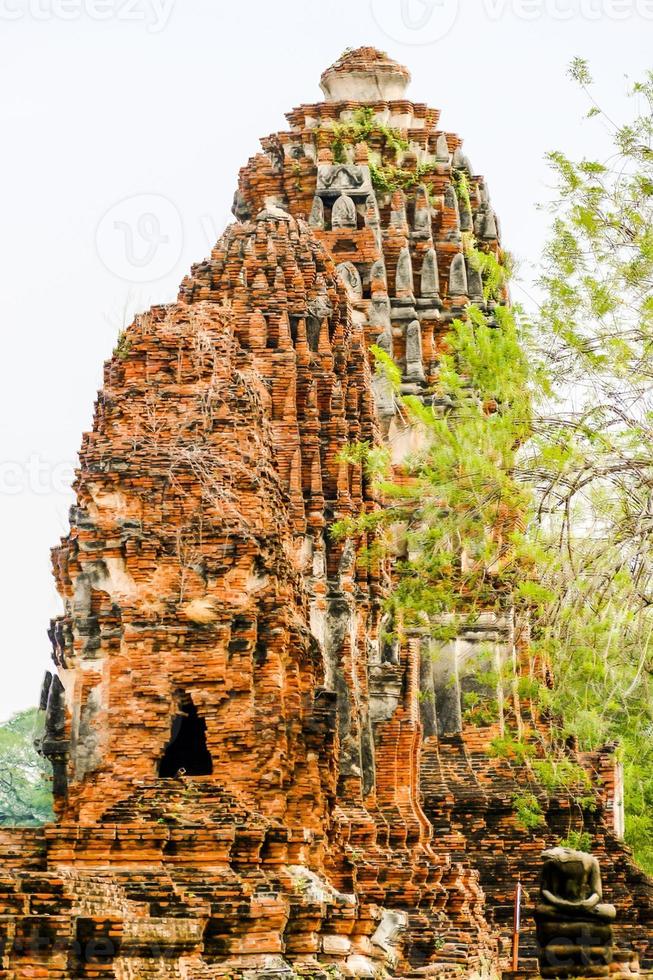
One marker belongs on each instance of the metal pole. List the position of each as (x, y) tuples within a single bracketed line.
[(516, 928)]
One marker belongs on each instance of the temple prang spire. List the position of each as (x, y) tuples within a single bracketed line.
[(257, 775), (382, 187)]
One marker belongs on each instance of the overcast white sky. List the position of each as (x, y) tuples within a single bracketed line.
[(124, 123)]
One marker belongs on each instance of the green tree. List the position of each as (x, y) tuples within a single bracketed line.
[(455, 518), (533, 486), (592, 455), (25, 777)]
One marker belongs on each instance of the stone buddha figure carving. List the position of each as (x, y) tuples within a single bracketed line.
[(350, 276), (571, 886), (344, 213)]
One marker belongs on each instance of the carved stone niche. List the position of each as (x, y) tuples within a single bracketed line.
[(334, 179), (453, 669), (343, 214), (385, 689)]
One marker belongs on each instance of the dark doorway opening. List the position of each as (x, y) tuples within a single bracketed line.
[(187, 749)]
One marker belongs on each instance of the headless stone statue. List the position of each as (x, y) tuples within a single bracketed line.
[(571, 885), (574, 925), (344, 213)]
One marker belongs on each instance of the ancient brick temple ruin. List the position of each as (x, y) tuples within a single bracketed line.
[(249, 778)]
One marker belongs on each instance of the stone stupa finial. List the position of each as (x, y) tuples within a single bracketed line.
[(364, 75)]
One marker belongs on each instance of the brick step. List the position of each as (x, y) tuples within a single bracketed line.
[(23, 848)]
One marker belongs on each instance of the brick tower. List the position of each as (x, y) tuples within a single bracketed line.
[(248, 781)]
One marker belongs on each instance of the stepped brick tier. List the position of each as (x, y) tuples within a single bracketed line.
[(252, 779)]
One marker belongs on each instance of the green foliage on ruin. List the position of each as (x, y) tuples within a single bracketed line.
[(494, 273), (462, 480), (363, 127), (528, 811), (533, 492), (577, 840), (123, 345), (386, 177), (461, 186), (25, 776)]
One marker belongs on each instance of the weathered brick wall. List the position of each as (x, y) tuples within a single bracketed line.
[(205, 493)]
